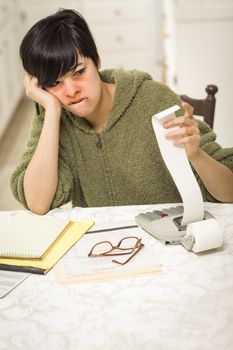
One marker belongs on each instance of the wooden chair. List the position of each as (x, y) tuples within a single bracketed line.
[(204, 107)]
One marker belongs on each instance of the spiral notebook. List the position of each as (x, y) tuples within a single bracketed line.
[(35, 244), (29, 236)]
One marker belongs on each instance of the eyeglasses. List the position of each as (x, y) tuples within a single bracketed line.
[(130, 245)]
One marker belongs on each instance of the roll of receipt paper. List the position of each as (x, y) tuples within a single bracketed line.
[(205, 234), (178, 165)]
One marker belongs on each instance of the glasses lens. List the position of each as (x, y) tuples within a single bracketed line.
[(128, 243), (102, 247)]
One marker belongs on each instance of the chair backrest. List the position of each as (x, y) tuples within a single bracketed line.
[(204, 107)]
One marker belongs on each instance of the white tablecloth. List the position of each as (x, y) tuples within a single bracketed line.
[(187, 306)]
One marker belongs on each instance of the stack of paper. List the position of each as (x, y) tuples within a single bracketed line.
[(32, 243)]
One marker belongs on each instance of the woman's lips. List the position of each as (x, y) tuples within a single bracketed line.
[(77, 101)]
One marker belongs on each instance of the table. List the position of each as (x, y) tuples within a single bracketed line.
[(187, 306)]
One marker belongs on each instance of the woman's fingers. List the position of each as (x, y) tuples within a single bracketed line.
[(186, 130), (30, 84), (179, 121), (188, 110), (192, 140), (34, 91), (183, 131)]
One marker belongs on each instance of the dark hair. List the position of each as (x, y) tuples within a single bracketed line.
[(50, 47)]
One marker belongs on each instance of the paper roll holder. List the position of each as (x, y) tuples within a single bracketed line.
[(168, 229)]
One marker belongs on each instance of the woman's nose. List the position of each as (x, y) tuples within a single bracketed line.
[(71, 88)]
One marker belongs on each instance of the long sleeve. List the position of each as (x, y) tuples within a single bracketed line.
[(210, 146), (64, 192)]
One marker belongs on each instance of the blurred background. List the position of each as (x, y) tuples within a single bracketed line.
[(186, 44)]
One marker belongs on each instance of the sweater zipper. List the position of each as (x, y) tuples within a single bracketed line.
[(99, 142)]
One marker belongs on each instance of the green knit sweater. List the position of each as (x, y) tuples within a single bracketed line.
[(122, 165)]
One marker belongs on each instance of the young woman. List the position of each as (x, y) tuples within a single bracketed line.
[(93, 142)]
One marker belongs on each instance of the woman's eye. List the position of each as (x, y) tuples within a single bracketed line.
[(54, 84), (79, 72)]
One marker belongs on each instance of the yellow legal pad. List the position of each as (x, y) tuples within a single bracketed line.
[(71, 234)]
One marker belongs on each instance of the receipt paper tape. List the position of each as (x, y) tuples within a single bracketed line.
[(178, 165)]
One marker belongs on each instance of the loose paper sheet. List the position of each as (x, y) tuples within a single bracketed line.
[(76, 266)]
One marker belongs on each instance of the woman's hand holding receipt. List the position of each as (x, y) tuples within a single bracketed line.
[(188, 133), (217, 178)]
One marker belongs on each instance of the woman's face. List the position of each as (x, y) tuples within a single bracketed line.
[(79, 91)]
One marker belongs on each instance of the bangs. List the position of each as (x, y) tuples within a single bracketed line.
[(58, 57)]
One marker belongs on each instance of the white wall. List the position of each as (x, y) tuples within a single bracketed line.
[(203, 54)]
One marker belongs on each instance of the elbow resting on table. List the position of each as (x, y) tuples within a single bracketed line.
[(38, 210), (38, 202)]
